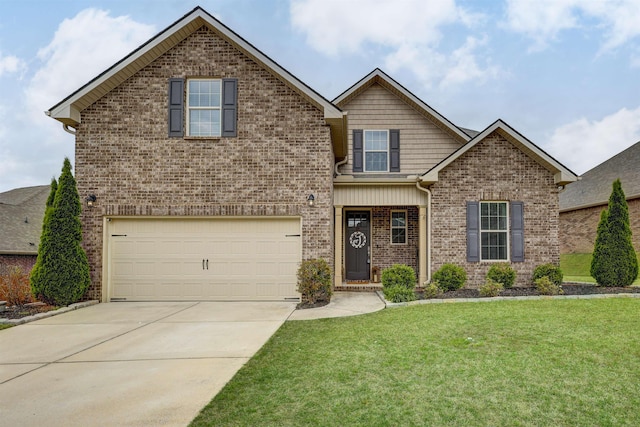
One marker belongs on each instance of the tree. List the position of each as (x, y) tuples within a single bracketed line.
[(614, 260), (61, 274)]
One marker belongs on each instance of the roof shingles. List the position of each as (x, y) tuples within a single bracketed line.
[(21, 215)]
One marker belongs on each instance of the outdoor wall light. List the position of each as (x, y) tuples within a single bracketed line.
[(311, 200), (91, 199)]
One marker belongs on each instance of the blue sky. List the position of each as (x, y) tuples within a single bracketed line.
[(564, 73)]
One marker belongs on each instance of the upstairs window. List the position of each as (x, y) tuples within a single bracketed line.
[(376, 151), (204, 98)]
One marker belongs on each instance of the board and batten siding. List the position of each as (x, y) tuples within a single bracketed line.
[(422, 143)]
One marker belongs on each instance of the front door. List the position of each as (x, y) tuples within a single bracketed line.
[(357, 245)]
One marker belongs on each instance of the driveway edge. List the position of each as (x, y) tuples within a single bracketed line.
[(46, 314)]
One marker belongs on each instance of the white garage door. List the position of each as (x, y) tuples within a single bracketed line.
[(203, 259)]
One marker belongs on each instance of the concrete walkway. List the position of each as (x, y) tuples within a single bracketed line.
[(342, 304), (129, 364)]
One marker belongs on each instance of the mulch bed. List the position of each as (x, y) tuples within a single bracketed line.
[(520, 292), (20, 311)]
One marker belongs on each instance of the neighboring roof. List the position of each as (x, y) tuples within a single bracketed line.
[(69, 110), (561, 173), (21, 215), (594, 187), (378, 76)]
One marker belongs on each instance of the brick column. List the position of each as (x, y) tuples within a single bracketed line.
[(337, 264)]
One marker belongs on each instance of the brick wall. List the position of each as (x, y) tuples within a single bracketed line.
[(383, 253), (494, 170), (282, 152), (25, 262), (578, 228)]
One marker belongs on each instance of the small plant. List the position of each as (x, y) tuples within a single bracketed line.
[(14, 287), (553, 272), (314, 281), (491, 288), (502, 273), (398, 283), (546, 286), (450, 277), (432, 290)]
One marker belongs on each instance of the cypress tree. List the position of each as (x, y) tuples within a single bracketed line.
[(36, 271), (614, 260), (62, 273)]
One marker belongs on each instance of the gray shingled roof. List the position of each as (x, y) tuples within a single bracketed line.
[(595, 186), (21, 215)]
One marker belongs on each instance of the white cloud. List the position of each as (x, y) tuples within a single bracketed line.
[(543, 20), (583, 144), (11, 64), (408, 32)]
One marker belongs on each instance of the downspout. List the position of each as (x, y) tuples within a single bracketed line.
[(66, 129), (426, 190), (340, 163)]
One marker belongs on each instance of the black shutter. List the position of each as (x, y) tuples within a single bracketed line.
[(394, 150), (517, 231), (473, 232), (357, 150), (229, 107), (176, 107)]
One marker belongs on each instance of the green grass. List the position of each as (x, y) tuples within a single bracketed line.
[(516, 363), (577, 267), (5, 326)]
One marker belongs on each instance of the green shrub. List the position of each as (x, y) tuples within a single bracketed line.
[(398, 283), (314, 281), (546, 286), (432, 290), (14, 287), (491, 288), (450, 277), (502, 273), (553, 272)]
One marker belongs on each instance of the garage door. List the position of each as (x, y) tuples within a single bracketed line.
[(203, 259)]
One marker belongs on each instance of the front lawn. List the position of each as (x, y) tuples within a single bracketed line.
[(526, 363), (577, 268)]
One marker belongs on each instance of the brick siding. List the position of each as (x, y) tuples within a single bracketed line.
[(494, 169), (282, 152), (383, 253), (578, 228), (25, 262)]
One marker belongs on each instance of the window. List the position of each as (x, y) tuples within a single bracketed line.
[(398, 227), (376, 150), (204, 99), (494, 232)]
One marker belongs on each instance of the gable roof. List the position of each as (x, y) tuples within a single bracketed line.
[(594, 187), (21, 215), (562, 174), (378, 76), (69, 110)]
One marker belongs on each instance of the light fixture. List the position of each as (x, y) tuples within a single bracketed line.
[(91, 199), (311, 200)]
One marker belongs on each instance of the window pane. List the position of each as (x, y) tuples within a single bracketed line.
[(204, 93), (376, 162), (204, 122), (398, 219), (398, 235), (375, 140), (494, 245)]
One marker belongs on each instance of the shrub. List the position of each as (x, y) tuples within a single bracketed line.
[(491, 288), (14, 287), (614, 260), (432, 290), (450, 277), (398, 283), (546, 286), (553, 272), (502, 273), (314, 281)]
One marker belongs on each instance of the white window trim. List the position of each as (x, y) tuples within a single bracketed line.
[(364, 150), (508, 231), (189, 108), (406, 227)]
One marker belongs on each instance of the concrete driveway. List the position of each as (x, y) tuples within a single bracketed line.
[(127, 363)]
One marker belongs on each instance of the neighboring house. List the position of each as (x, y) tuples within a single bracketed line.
[(215, 172), (582, 202), (21, 215)]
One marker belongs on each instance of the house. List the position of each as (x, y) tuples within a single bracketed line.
[(213, 172), (582, 202), (21, 216)]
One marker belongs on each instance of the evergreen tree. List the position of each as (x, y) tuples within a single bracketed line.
[(61, 274), (614, 260), (36, 288)]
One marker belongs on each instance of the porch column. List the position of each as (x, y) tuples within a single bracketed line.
[(422, 248), (337, 241)]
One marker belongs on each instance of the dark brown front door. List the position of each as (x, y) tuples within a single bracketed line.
[(357, 241)]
